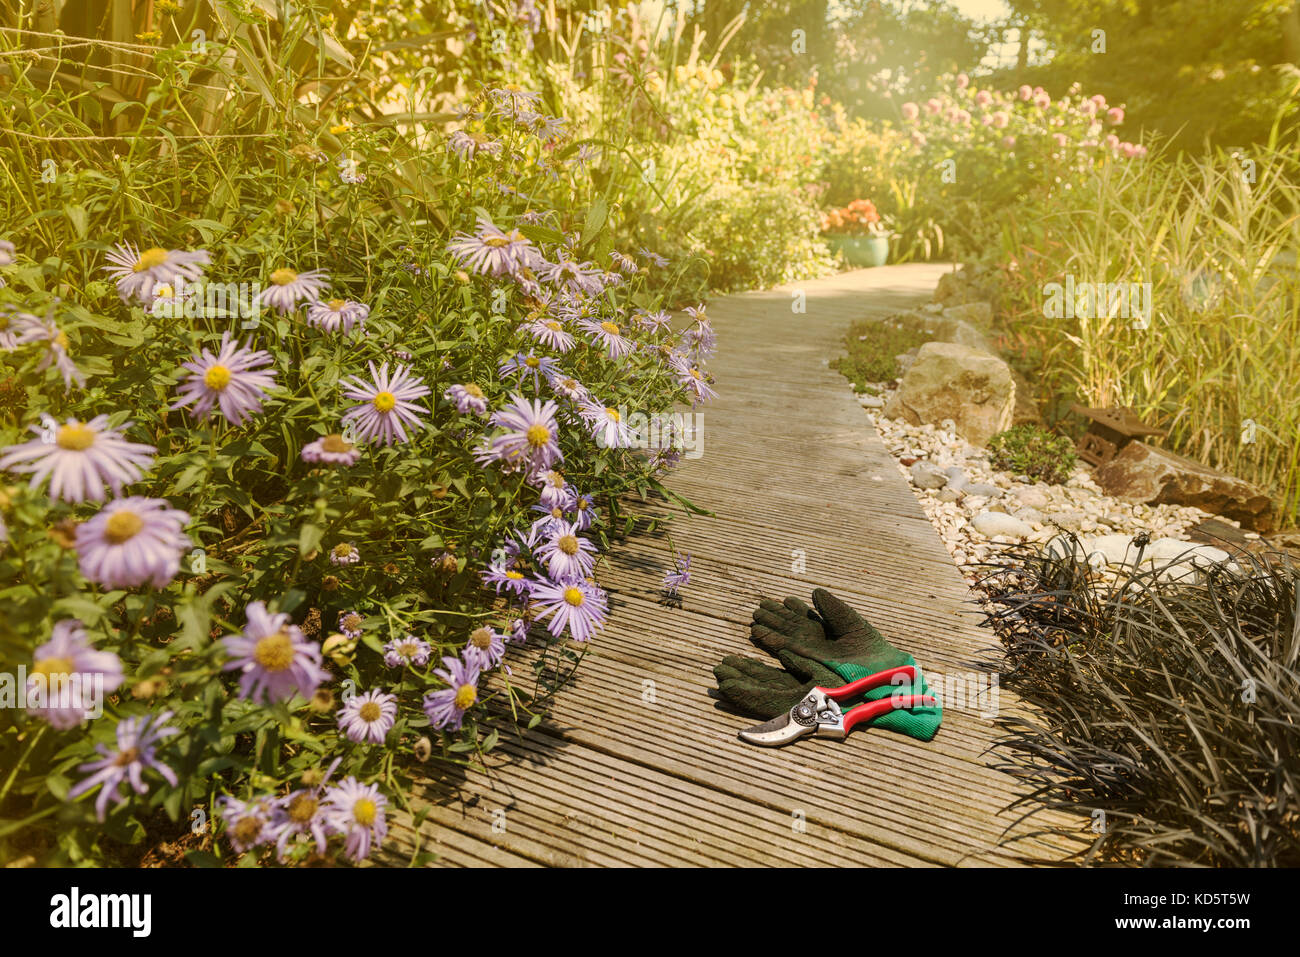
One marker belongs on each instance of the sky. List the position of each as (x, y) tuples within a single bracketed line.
[(982, 9)]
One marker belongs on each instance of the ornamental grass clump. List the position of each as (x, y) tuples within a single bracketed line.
[(1166, 713)]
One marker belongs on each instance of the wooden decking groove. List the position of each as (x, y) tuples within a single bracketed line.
[(637, 765)]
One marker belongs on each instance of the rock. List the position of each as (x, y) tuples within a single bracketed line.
[(871, 402), (1031, 497), (949, 495), (975, 313), (982, 488), (927, 475), (990, 524), (905, 361), (1145, 473), (956, 477), (952, 381)]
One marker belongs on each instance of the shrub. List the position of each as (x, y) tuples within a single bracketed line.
[(313, 550), (1034, 451)]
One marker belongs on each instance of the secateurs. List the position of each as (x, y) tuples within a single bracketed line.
[(819, 713)]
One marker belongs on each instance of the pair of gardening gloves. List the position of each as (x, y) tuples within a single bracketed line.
[(828, 647)]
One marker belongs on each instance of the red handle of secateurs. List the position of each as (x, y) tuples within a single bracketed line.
[(874, 709), (877, 680)]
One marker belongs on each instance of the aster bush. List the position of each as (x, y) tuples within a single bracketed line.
[(301, 531)]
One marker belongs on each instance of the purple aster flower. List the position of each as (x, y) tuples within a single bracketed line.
[(137, 745), (555, 490), (467, 145), (345, 553), (575, 604), (388, 405), (56, 349), (608, 335), (136, 273), (512, 98), (350, 623), (6, 253), (246, 821), (274, 658), (485, 648), (12, 325), (468, 397), (680, 576), (331, 449), (543, 525), (624, 264), (550, 333), (654, 258), (132, 541), (368, 717), (700, 339), (529, 439), (655, 321), (80, 459), (572, 276), (697, 312), (73, 676), (566, 554), (301, 812), (606, 424), (493, 252), (585, 512), (333, 314), (289, 288), (356, 811), (568, 387), (446, 708), (518, 631), (692, 379), (229, 379), (499, 575), (522, 365), (408, 650)]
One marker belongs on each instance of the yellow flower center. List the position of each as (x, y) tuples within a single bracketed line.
[(496, 242), (613, 414), (408, 649), (370, 712), (122, 526), (149, 259), (217, 378), (302, 808), (610, 327), (163, 292), (466, 695), (60, 341), (568, 544), (274, 652), (538, 435), (570, 384), (334, 442), (384, 401), (553, 326), (282, 277), (695, 372), (248, 829), (582, 505), (474, 390), (573, 596), (532, 362), (344, 550), (514, 574), (75, 437), (481, 638), (336, 305), (364, 812), (52, 666), (557, 512)]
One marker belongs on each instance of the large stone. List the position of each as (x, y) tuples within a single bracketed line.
[(1145, 473), (990, 524), (951, 381), (976, 313)]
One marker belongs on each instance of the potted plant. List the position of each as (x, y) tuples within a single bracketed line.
[(859, 232)]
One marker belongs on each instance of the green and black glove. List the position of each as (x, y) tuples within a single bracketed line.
[(831, 646)]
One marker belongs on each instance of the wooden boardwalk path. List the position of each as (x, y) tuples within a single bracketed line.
[(638, 765)]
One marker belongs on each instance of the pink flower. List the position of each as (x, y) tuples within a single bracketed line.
[(1088, 108), (1112, 141), (1061, 140), (1009, 142), (1042, 100), (963, 81), (910, 111), (1115, 115), (1026, 92), (983, 98), (933, 106), (1001, 119)]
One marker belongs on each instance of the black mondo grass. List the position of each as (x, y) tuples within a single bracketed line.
[(1166, 713)]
